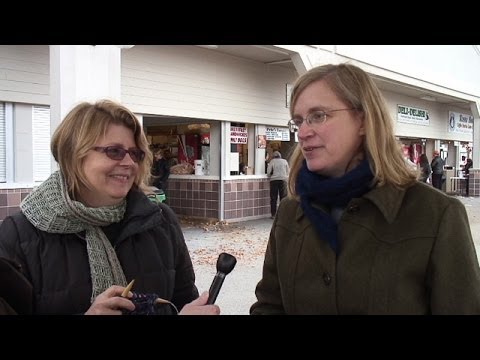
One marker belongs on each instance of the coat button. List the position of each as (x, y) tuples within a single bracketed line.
[(327, 279), (353, 209)]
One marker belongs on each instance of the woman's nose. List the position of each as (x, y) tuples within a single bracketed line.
[(127, 160)]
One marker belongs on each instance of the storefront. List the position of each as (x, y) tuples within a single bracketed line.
[(449, 132), (222, 110), (218, 168)]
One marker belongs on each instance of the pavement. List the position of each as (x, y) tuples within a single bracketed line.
[(247, 242)]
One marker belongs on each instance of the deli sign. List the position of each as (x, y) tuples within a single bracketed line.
[(412, 115)]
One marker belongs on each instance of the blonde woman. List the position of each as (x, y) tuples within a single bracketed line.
[(358, 234), (89, 229)]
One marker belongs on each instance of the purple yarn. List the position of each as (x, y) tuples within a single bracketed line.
[(144, 305)]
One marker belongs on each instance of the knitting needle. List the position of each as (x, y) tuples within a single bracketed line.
[(128, 288), (163, 301)]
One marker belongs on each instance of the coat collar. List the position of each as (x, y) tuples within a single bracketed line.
[(387, 199), (140, 215)]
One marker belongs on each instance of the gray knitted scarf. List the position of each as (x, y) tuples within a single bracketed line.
[(49, 208)]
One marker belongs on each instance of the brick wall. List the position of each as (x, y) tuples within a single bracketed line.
[(245, 198), (474, 182), (10, 201), (249, 198), (193, 197)]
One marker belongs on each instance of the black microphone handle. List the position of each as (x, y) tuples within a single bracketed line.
[(215, 287)]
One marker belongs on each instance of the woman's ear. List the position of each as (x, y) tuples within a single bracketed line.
[(360, 116)]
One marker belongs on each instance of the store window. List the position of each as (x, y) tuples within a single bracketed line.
[(239, 149), (3, 145), (465, 152), (412, 149), (184, 146), (279, 139), (41, 143)]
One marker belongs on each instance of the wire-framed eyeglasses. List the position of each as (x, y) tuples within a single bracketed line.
[(315, 118), (118, 153)]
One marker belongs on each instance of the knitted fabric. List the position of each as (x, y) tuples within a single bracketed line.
[(331, 192), (145, 305), (49, 208)]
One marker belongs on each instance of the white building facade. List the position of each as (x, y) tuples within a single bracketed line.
[(223, 108)]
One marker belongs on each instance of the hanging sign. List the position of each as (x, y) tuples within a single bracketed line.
[(460, 123), (278, 134), (411, 115), (238, 135)]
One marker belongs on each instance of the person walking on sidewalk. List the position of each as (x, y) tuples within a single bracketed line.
[(277, 172)]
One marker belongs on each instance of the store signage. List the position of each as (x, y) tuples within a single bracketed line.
[(411, 115), (278, 134), (460, 123), (238, 135)]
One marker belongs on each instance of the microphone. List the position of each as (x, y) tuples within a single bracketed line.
[(225, 264)]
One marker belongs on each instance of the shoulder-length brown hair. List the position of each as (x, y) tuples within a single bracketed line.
[(80, 130), (355, 87)]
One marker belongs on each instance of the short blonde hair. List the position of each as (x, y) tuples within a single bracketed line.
[(80, 130), (355, 87)]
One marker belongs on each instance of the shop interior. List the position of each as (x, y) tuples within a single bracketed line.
[(184, 146), (186, 142), (453, 153)]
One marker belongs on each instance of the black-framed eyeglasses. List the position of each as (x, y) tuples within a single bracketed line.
[(315, 118), (118, 153)]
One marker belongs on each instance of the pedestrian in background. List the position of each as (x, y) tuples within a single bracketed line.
[(277, 172), (425, 168), (466, 171), (437, 170), (358, 234), (160, 170)]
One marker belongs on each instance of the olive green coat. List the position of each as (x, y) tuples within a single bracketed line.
[(401, 252)]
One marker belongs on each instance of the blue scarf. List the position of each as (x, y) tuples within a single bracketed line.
[(332, 192)]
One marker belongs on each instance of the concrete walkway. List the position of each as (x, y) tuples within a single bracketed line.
[(247, 242), (472, 204)]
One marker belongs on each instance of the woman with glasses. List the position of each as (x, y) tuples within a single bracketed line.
[(89, 229), (358, 234)]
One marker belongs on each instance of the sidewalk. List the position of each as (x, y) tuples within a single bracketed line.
[(247, 241), (472, 204)]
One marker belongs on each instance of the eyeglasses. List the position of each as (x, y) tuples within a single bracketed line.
[(315, 118), (118, 153)]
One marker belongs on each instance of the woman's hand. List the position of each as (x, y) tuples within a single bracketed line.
[(110, 302), (199, 307)]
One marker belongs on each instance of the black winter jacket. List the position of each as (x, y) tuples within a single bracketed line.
[(149, 244)]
